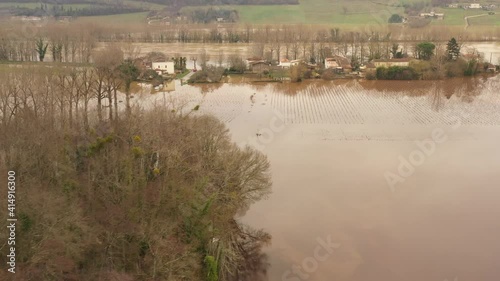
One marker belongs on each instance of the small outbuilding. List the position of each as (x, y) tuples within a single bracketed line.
[(392, 62)]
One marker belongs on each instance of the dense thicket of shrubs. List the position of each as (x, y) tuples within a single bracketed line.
[(210, 74), (396, 73), (210, 15), (140, 195)]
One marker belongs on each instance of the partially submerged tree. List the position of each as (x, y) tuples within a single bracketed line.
[(41, 48), (106, 64), (236, 64), (128, 73), (204, 58)]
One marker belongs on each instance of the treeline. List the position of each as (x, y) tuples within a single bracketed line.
[(75, 41), (183, 3), (433, 62), (108, 191), (65, 45), (212, 15), (60, 11), (56, 2), (186, 33)]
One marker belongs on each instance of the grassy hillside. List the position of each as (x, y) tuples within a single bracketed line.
[(317, 12), (456, 16), (491, 20), (117, 19), (337, 12)]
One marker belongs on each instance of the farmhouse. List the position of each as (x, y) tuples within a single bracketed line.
[(432, 15), (250, 61), (475, 6), (165, 67), (259, 66), (369, 67), (339, 63), (331, 63), (392, 62), (285, 63)]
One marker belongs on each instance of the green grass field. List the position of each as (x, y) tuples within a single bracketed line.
[(263, 14), (348, 12), (456, 16), (144, 5), (316, 12), (337, 12), (490, 20)]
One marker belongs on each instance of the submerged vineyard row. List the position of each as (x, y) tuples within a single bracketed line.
[(355, 105)]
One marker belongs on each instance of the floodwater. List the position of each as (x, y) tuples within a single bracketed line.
[(489, 50), (332, 146)]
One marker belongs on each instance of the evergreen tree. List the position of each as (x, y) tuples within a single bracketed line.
[(453, 49)]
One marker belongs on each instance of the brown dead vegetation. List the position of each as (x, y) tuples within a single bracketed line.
[(142, 196)]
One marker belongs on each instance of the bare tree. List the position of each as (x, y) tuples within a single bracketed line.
[(204, 58), (106, 63)]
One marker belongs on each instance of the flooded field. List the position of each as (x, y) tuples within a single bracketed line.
[(373, 181)]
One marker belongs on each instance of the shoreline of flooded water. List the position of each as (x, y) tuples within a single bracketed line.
[(331, 145)]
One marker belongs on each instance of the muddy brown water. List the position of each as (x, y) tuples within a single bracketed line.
[(331, 145)]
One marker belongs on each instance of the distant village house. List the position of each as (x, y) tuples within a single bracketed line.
[(166, 67), (250, 61), (258, 66), (285, 63), (339, 63), (432, 15)]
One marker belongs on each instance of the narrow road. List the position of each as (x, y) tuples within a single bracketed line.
[(186, 78), (475, 16), (188, 75), (150, 22)]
